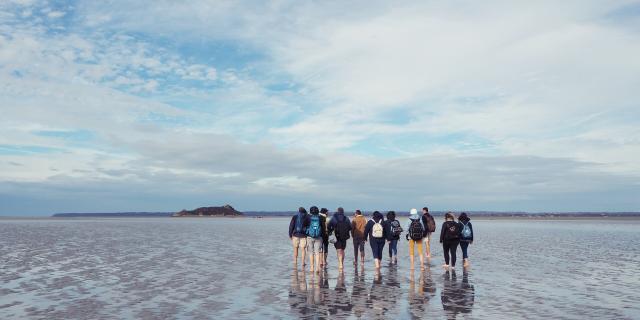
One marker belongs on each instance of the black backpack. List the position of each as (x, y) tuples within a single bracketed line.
[(452, 231), (342, 228), (428, 221), (396, 229), (416, 231)]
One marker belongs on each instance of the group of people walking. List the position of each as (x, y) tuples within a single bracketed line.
[(314, 231)]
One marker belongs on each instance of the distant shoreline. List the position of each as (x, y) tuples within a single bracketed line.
[(532, 217)]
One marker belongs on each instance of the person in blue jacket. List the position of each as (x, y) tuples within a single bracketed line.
[(393, 229), (340, 226), (466, 237), (376, 234), (298, 235)]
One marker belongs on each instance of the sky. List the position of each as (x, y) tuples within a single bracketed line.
[(154, 105)]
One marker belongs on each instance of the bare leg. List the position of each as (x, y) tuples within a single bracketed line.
[(295, 256), (311, 262), (428, 246)]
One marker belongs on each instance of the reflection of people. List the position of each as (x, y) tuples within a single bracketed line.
[(392, 290), (377, 297), (359, 295), (457, 297), (416, 297), (298, 293), (341, 305)]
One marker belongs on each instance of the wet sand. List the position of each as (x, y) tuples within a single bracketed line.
[(159, 268)]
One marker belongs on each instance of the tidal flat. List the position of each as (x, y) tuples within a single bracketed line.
[(163, 268)]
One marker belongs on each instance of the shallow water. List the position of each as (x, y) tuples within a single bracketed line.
[(162, 268)]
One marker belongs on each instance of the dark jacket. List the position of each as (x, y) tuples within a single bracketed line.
[(462, 227), (368, 229), (334, 221), (448, 236), (387, 229), (292, 227), (307, 223)]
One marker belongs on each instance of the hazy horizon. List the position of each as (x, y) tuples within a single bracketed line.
[(151, 106)]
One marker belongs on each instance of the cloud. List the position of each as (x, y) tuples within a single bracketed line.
[(278, 104)]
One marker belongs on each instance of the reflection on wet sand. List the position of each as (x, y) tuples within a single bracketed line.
[(457, 297)]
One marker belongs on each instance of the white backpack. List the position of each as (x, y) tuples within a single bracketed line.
[(377, 230)]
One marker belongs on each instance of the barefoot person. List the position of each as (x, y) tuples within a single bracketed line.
[(430, 224), (466, 237), (357, 232), (340, 226), (375, 233), (314, 226), (450, 238), (325, 239), (298, 235), (393, 235), (414, 236)]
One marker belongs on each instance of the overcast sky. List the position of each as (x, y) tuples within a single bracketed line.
[(153, 105)]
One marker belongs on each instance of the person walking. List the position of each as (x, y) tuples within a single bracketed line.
[(325, 239), (430, 223), (341, 226), (414, 236), (466, 237), (376, 234), (357, 232), (450, 238), (393, 228), (298, 235), (314, 226)]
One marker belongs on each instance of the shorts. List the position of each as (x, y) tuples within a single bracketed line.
[(340, 244), (299, 242), (412, 243), (314, 245)]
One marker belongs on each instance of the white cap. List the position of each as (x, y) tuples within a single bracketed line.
[(413, 211)]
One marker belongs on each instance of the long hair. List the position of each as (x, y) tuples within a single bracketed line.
[(449, 216)]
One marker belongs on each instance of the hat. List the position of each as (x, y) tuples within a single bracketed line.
[(413, 213)]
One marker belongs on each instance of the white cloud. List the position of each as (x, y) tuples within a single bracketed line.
[(480, 106)]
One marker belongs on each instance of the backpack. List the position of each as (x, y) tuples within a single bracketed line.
[(466, 231), (430, 223), (377, 231), (342, 228), (415, 230), (299, 227), (452, 231), (314, 230), (396, 229)]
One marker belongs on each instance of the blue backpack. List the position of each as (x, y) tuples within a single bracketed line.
[(466, 231), (314, 230), (299, 227)]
